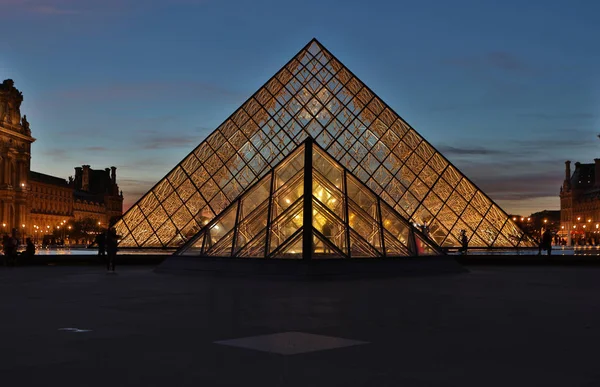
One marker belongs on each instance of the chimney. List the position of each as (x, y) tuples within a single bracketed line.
[(78, 177), (113, 174), (85, 179), (567, 183), (597, 172)]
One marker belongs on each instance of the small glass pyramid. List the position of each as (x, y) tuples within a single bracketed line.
[(308, 207), (315, 95)]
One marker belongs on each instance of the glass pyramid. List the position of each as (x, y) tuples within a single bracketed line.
[(308, 207), (315, 95)]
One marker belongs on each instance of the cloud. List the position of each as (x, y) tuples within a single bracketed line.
[(52, 10), (96, 149), (461, 151), (72, 7), (505, 61), (161, 141), (520, 186), (44, 7), (558, 116), (150, 90), (133, 190), (501, 60), (56, 153)]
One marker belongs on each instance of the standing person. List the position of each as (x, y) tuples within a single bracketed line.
[(464, 242), (547, 241), (101, 242), (111, 248), (6, 249)]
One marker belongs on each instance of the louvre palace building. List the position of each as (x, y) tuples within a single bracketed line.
[(580, 203), (315, 164), (33, 202)]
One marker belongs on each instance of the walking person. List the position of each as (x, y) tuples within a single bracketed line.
[(464, 242), (547, 241), (111, 249)]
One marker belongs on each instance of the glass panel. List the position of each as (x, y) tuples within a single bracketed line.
[(223, 247), (330, 226), (362, 196), (134, 218), (424, 248), (148, 203), (322, 248), (128, 239), (394, 224), (181, 218), (501, 241), (172, 204), (433, 204), (187, 232), (176, 177), (364, 225), (254, 249), (465, 189), (293, 249), (288, 168), (255, 197), (359, 248), (471, 217), (222, 225), (442, 189), (251, 226), (186, 190), (487, 232), (153, 241), (393, 248), (327, 167), (328, 195), (514, 234), (157, 217), (288, 194), (166, 232), (437, 232), (456, 203), (162, 190), (285, 225)]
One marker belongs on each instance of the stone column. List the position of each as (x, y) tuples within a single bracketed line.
[(7, 162)]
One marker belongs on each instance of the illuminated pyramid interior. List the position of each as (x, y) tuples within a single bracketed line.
[(315, 95), (339, 218)]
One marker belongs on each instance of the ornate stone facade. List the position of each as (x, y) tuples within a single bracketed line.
[(15, 156), (33, 202), (580, 203)]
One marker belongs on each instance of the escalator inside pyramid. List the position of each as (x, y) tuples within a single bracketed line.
[(309, 207), (315, 96)]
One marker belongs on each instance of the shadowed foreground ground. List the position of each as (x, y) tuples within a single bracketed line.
[(494, 326)]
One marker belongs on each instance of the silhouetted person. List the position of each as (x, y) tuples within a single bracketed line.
[(29, 250), (9, 246), (111, 248), (6, 249), (101, 242), (547, 241), (464, 242)]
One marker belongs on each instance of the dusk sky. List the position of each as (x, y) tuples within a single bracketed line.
[(506, 90)]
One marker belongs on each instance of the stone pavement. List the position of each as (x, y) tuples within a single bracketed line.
[(495, 326)]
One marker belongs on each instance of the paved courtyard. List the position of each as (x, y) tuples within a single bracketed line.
[(494, 326)]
